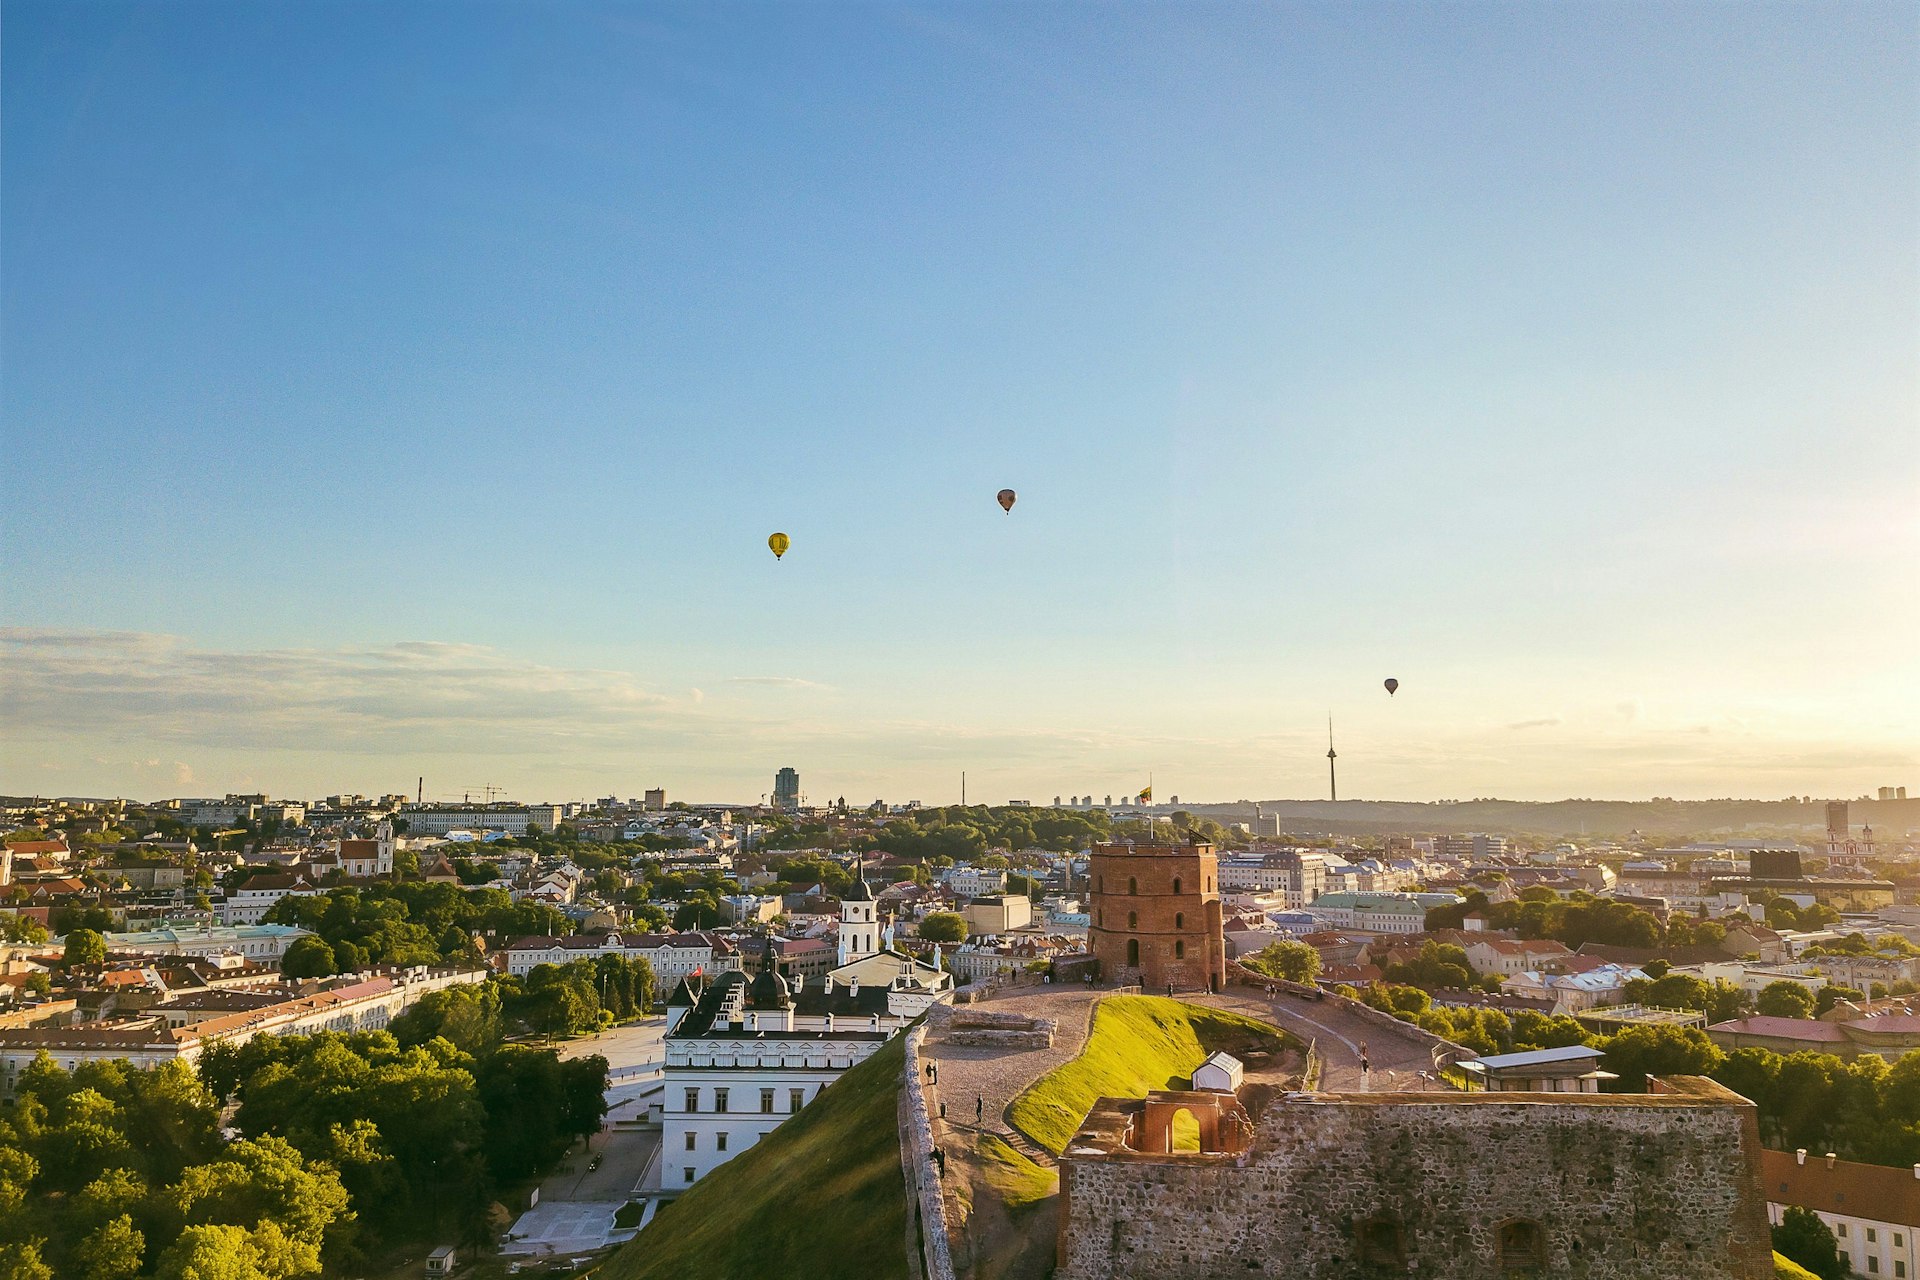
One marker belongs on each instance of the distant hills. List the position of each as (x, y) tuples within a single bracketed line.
[(1727, 819)]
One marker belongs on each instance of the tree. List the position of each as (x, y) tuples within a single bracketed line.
[(308, 958), (944, 926), (1784, 999), (1802, 1237), (1829, 996), (85, 946), (19, 928), (1292, 961), (112, 1251), (22, 1262), (1639, 1052)]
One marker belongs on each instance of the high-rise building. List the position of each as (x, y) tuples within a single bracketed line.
[(656, 799), (786, 789)]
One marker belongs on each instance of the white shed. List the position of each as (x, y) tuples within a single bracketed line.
[(1218, 1074)]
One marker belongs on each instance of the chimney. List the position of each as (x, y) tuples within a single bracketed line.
[(1832, 1159), (1800, 1155)]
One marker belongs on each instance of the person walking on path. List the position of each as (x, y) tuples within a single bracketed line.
[(979, 1110)]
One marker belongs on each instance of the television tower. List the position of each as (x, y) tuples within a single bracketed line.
[(1333, 784)]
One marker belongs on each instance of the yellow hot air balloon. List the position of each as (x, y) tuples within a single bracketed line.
[(779, 542)]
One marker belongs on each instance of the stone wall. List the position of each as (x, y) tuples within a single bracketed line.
[(916, 1154), (1440, 1186)]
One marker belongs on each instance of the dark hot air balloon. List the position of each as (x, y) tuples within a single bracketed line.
[(779, 543), (1006, 499), (1392, 684)]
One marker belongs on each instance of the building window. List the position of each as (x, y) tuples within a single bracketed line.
[(796, 1099), (1179, 919), (766, 1102), (719, 1099), (691, 1143), (1382, 1241), (719, 1142), (1899, 1241), (688, 1173), (1133, 885), (1840, 1229), (1176, 884), (1133, 919), (1133, 953), (1179, 951), (1522, 1246), (693, 1099), (1899, 1269), (1872, 1235), (1873, 1264)]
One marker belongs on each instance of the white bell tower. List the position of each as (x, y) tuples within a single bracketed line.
[(859, 921)]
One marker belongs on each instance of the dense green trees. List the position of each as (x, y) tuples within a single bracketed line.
[(1784, 999), (943, 926), (84, 946), (411, 923), (421, 1132), (1802, 1237), (1293, 961), (109, 1171), (1720, 1000)]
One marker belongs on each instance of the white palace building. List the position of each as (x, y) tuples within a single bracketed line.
[(744, 1053)]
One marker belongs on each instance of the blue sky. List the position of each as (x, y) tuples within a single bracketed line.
[(410, 389)]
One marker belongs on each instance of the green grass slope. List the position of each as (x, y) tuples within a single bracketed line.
[(1138, 1043), (1785, 1268), (821, 1196)]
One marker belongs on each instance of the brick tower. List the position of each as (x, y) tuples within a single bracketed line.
[(1156, 915)]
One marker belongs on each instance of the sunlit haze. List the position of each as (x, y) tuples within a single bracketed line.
[(410, 390)]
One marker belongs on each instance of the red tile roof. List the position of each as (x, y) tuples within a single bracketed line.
[(1808, 1029), (1848, 1188)]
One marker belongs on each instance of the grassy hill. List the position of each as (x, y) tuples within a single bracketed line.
[(1787, 1269), (1138, 1043), (821, 1196)]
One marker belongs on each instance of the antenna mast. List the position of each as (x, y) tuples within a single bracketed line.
[(1333, 783)]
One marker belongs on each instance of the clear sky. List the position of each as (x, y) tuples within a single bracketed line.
[(400, 389)]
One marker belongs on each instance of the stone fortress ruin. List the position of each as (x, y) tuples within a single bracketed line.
[(1443, 1186)]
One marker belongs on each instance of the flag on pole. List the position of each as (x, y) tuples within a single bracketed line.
[(1146, 795)]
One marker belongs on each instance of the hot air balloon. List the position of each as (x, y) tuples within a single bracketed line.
[(1392, 684), (779, 542), (1006, 500)]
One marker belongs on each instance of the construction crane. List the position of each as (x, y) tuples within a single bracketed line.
[(489, 791)]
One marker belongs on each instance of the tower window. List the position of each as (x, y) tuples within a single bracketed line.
[(1133, 919), (1179, 919), (1133, 952), (1133, 885), (1176, 884), (1179, 951)]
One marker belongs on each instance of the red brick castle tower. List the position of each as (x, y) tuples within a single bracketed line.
[(1156, 918)]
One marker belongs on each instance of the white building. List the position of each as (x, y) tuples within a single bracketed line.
[(738, 1063), (974, 882), (262, 943), (250, 903), (1389, 913), (363, 859), (1873, 1210), (434, 820), (673, 955)]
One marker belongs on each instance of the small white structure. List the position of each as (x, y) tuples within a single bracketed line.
[(1220, 1073), (440, 1261)]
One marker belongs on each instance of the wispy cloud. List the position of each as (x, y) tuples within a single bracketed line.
[(788, 682), (159, 688), (1540, 723)]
